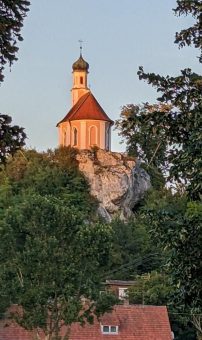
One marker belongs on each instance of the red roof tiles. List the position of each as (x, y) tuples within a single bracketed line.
[(87, 107), (135, 323), (13, 332)]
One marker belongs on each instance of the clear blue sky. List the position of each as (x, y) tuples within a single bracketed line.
[(118, 35)]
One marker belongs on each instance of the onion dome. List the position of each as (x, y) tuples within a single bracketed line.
[(80, 65)]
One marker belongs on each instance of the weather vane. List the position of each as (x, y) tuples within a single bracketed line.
[(81, 46)]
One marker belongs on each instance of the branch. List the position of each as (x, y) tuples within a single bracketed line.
[(154, 154), (197, 322), (20, 277)]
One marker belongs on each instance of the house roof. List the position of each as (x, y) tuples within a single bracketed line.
[(134, 322), (119, 283), (87, 107)]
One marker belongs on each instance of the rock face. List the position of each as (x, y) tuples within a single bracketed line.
[(116, 181)]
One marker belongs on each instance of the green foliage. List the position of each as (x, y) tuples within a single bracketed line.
[(151, 289), (176, 221), (181, 125), (191, 35), (165, 236), (104, 303), (12, 138), (143, 139), (12, 14), (156, 176), (133, 251), (182, 329), (176, 224), (156, 289), (52, 173), (167, 136), (52, 250)]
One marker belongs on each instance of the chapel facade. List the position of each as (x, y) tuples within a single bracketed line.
[(86, 124)]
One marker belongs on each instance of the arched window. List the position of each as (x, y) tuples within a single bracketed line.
[(75, 137), (81, 80), (93, 135)]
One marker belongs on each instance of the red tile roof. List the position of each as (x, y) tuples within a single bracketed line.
[(13, 332), (87, 107), (135, 323)]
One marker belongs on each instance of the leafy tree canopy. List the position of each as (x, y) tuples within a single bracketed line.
[(136, 126), (133, 251), (12, 14), (12, 138), (151, 289), (176, 223), (191, 35), (181, 125), (53, 251), (155, 288), (168, 135)]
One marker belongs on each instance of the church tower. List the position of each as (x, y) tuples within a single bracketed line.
[(80, 78), (86, 124)]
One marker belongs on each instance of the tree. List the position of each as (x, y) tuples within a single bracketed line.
[(133, 251), (12, 138), (53, 251), (135, 126), (167, 134), (144, 139), (176, 224), (12, 14), (191, 35), (175, 123), (155, 288), (150, 289), (184, 94), (181, 125), (172, 127)]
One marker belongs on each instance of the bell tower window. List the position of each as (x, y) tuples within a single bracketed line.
[(81, 80)]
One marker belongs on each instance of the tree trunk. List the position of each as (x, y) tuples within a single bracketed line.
[(67, 334), (36, 335)]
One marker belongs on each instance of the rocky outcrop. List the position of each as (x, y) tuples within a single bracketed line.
[(116, 181)]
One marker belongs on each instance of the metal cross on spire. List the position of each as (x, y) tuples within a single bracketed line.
[(81, 46)]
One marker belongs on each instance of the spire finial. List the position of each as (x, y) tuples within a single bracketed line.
[(81, 46)]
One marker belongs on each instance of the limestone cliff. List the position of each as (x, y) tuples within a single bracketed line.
[(116, 181)]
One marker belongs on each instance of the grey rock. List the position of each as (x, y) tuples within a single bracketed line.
[(116, 181)]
